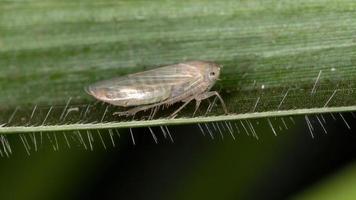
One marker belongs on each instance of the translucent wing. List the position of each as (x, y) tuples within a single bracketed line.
[(145, 87), (168, 75)]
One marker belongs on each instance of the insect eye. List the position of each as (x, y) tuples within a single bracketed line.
[(212, 73)]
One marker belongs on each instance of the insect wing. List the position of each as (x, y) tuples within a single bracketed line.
[(145, 87)]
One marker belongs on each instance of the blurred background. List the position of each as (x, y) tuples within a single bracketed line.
[(292, 164)]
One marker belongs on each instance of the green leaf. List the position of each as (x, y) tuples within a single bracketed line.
[(280, 58)]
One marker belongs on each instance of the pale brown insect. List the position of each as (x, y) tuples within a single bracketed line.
[(162, 86)]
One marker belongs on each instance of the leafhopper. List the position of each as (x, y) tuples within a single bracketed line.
[(162, 86)]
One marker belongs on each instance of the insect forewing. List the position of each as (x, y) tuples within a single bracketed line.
[(145, 87)]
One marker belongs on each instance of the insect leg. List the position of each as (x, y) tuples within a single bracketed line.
[(136, 110), (211, 105), (152, 110), (210, 94), (155, 109), (196, 106), (173, 115)]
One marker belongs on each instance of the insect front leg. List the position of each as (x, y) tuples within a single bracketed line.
[(207, 95)]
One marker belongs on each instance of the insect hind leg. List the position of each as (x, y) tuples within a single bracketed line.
[(135, 110), (153, 112)]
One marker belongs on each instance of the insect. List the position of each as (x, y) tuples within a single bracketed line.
[(162, 86)]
